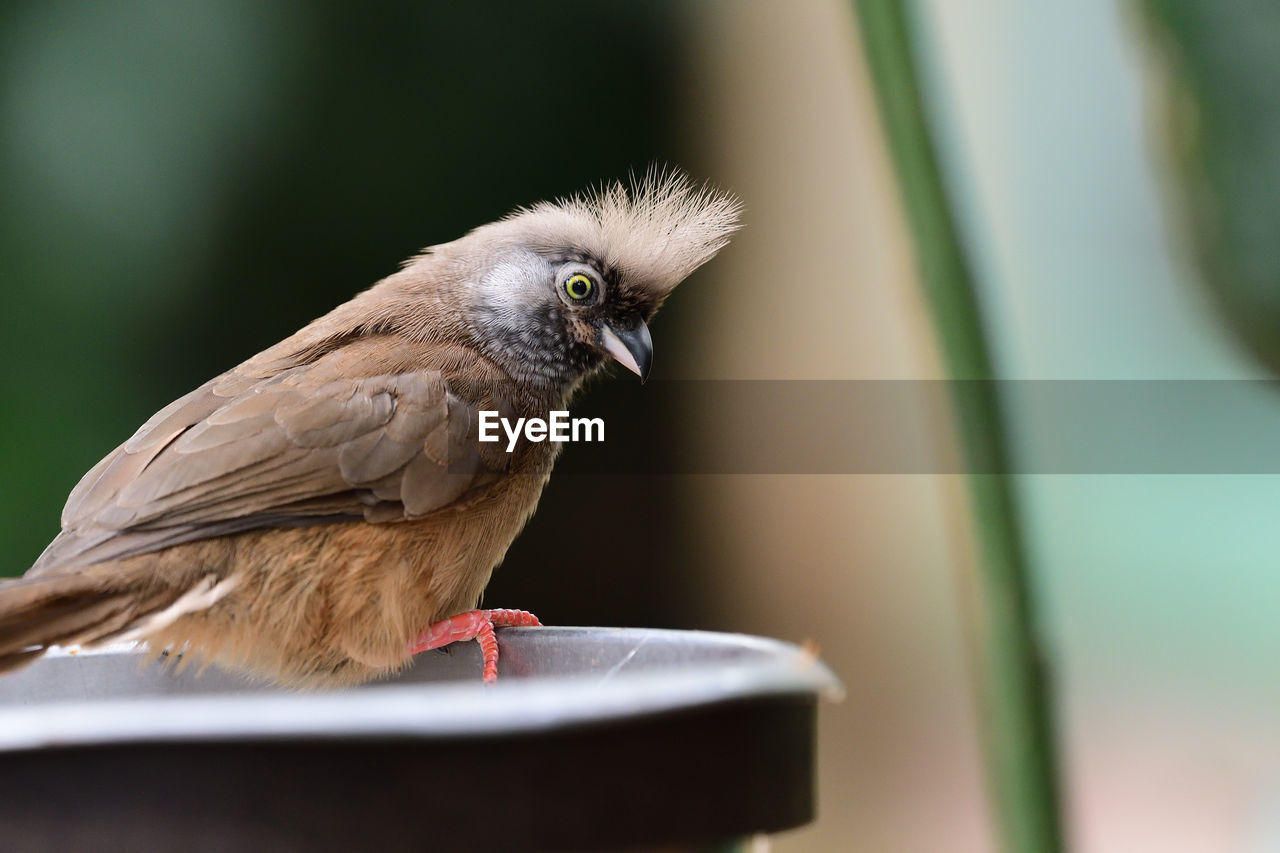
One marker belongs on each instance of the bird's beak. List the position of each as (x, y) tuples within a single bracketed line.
[(633, 348)]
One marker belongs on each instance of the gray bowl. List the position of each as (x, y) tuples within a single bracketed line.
[(593, 738)]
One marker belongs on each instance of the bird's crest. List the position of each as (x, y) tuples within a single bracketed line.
[(653, 231)]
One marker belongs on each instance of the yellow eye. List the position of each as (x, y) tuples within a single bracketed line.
[(579, 286)]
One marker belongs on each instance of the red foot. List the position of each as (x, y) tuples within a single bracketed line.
[(475, 625)]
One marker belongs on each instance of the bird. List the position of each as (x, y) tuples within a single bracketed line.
[(325, 510)]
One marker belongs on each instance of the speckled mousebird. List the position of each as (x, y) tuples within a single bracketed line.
[(325, 510)]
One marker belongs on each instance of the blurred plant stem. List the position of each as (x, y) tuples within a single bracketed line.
[(1014, 691)]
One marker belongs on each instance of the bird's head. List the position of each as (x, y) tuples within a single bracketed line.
[(553, 291)]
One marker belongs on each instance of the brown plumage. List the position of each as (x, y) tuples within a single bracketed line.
[(306, 515)]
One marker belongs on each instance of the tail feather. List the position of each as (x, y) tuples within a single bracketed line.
[(68, 609), (18, 660)]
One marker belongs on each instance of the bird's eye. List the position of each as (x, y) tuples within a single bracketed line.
[(579, 286)]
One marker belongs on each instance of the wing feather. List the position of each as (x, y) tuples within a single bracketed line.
[(300, 446)]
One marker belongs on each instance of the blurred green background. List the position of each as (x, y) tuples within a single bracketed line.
[(183, 184)]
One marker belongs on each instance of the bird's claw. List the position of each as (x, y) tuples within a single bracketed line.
[(475, 625)]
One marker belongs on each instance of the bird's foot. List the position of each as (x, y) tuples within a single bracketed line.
[(475, 625)]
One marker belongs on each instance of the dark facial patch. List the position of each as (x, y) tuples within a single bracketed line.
[(543, 346), (555, 343)]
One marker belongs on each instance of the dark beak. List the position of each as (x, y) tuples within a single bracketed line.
[(633, 348)]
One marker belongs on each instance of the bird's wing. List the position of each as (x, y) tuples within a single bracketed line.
[(302, 446)]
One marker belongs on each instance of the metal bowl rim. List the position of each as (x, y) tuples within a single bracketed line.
[(440, 710)]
